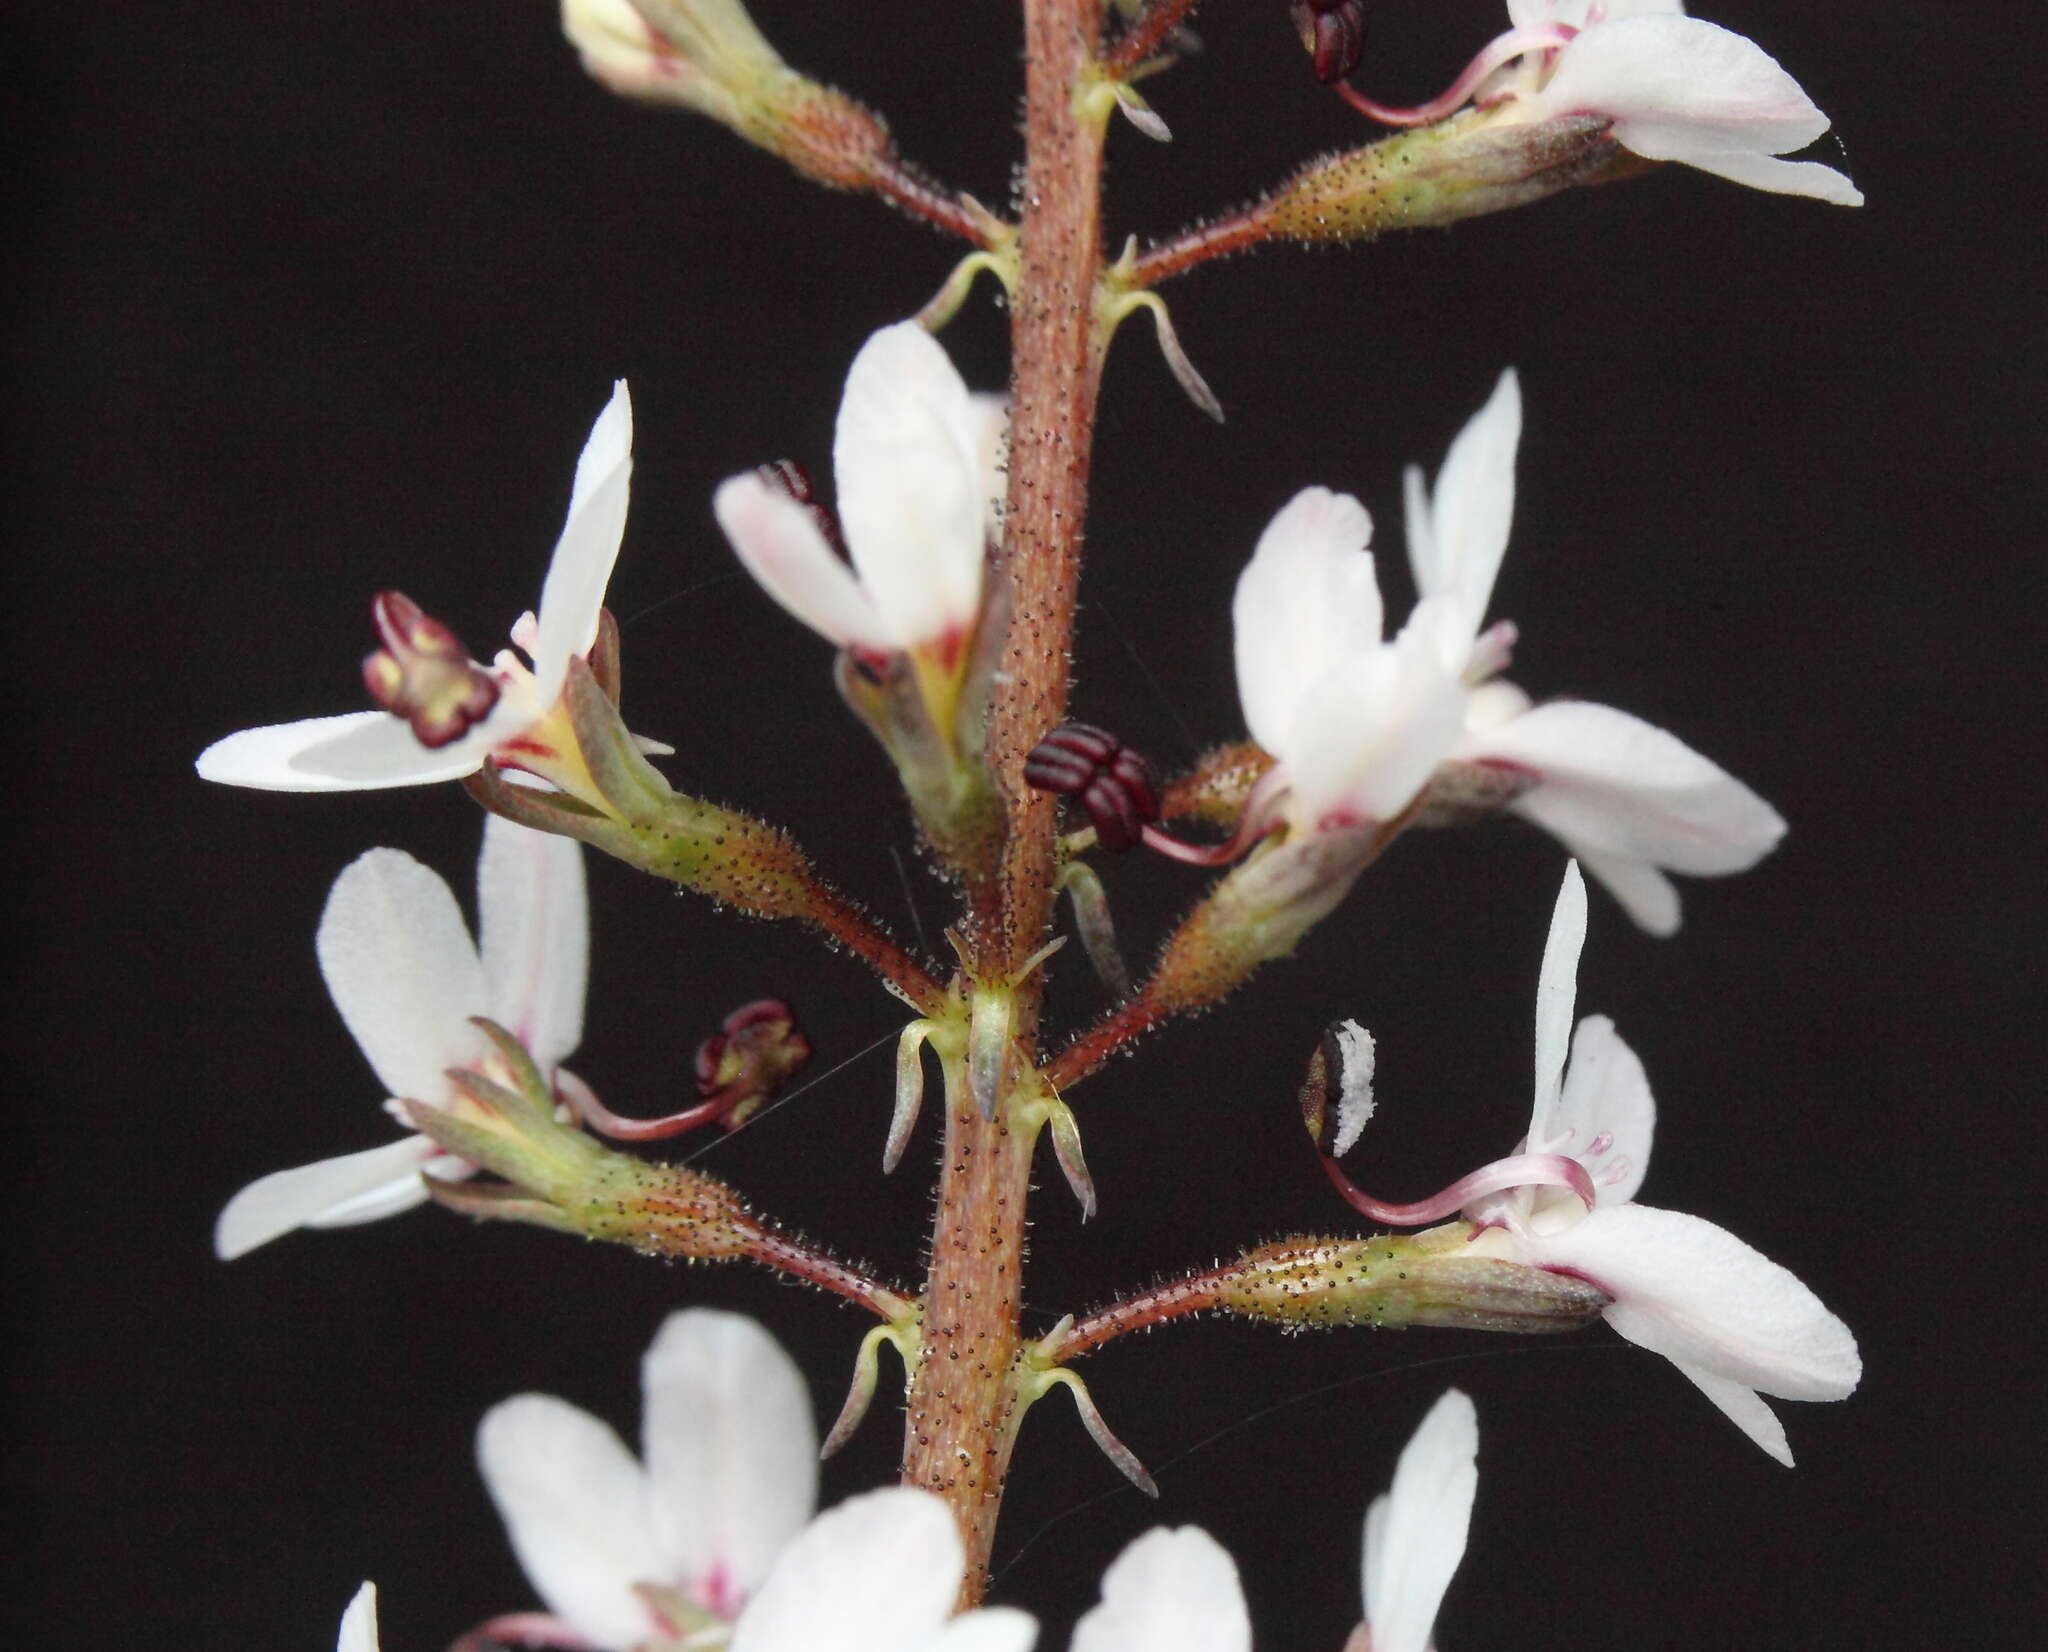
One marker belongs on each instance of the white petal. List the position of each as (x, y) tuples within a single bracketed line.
[(400, 967), (1744, 1409), (533, 931), (1415, 1534), (1369, 734), (359, 751), (609, 445), (779, 541), (1469, 515), (1354, 1085), (1306, 603), (359, 1622), (876, 1574), (908, 467), (1611, 784), (1557, 989), (987, 1629), (356, 1187), (731, 1449), (1677, 86), (1606, 1099), (1573, 13), (581, 567), (1643, 892), (574, 1503), (1170, 1591), (1695, 1293), (1822, 183)]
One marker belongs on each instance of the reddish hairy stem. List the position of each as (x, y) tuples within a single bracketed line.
[(961, 1411), (1086, 1054), (1196, 1293), (769, 1246), (1232, 232), (902, 185), (839, 918), (1057, 370), (1143, 38)]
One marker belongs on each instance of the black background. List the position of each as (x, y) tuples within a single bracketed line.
[(321, 299)]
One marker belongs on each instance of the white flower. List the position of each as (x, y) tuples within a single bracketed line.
[(624, 1554), (913, 458), (359, 1622), (406, 978), (1675, 88), (1731, 1320), (706, 55), (1415, 1531), (879, 1573), (1356, 723), (1170, 1591), (367, 750), (1630, 800)]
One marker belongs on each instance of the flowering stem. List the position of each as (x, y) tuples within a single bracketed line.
[(1144, 38), (1057, 362), (962, 1407), (961, 1413)]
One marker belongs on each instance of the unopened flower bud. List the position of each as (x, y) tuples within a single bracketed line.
[(708, 56), (1424, 1279), (424, 674)]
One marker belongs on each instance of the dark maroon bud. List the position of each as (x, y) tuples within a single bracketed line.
[(1333, 31), (1319, 1092), (742, 1065), (424, 674), (1115, 784)]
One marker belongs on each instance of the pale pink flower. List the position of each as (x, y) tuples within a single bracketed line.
[(1734, 1322), (1676, 89), (626, 1551), (1630, 800), (1357, 723), (407, 979), (914, 459), (370, 750)]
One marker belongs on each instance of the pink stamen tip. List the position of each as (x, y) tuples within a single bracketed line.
[(1519, 1170), (527, 1629), (1259, 817), (1193, 854), (1542, 37)]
